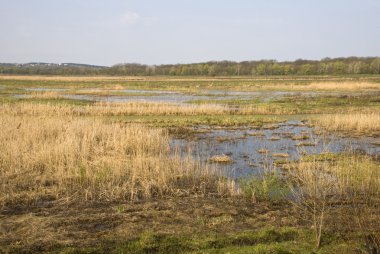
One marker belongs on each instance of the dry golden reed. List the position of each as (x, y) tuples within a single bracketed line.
[(52, 95), (134, 108), (72, 159), (342, 86), (344, 175), (355, 122), (110, 109), (349, 183)]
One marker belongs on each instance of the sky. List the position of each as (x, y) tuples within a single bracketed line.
[(108, 32)]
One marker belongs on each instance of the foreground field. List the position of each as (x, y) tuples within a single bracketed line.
[(89, 165), (170, 225)]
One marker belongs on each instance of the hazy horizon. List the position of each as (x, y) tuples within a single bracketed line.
[(185, 63), (169, 32)]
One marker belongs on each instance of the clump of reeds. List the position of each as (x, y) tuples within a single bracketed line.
[(220, 159), (350, 183), (359, 123), (44, 158), (281, 155), (267, 109), (51, 95)]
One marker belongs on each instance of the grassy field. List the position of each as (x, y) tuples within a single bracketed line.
[(295, 83), (89, 176)]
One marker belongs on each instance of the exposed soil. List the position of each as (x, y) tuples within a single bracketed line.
[(42, 227)]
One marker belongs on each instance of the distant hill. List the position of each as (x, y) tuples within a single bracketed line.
[(41, 64)]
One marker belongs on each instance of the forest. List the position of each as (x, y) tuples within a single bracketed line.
[(326, 66)]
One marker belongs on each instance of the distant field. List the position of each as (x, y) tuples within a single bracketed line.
[(243, 82)]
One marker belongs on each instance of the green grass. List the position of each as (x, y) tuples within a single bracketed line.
[(236, 101), (181, 121), (191, 83), (267, 240), (293, 104), (305, 105), (267, 187), (59, 101), (329, 104)]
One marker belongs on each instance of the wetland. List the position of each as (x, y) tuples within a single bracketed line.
[(194, 165)]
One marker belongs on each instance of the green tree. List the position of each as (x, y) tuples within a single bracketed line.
[(261, 69), (339, 67), (375, 66), (306, 69)]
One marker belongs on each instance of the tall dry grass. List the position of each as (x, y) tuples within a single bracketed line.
[(68, 158), (353, 122), (346, 86), (323, 86), (135, 108), (350, 183), (267, 109), (45, 95), (345, 174), (111, 109)]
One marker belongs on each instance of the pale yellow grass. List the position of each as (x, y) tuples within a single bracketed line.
[(111, 109), (357, 123), (248, 83), (328, 85), (350, 182), (220, 159), (69, 158), (133, 108), (342, 86), (345, 176), (45, 95), (266, 109)]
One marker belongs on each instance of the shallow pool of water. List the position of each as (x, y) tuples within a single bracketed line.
[(253, 150), (180, 97)]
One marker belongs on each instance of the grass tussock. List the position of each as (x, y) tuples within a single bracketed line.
[(356, 123), (82, 159), (220, 159)]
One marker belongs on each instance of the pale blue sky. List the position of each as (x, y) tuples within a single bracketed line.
[(107, 32)]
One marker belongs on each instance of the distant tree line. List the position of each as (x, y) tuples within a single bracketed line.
[(326, 66)]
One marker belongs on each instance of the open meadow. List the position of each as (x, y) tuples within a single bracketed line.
[(190, 164)]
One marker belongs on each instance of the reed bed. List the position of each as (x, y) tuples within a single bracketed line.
[(68, 158), (246, 83), (135, 108), (347, 187), (267, 109), (111, 109), (356, 122), (293, 85), (342, 86), (342, 176), (51, 95)]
